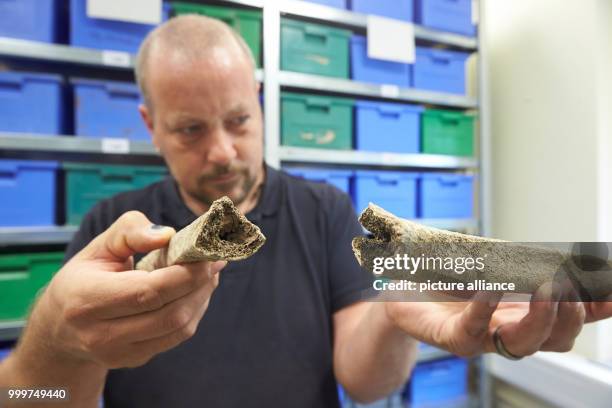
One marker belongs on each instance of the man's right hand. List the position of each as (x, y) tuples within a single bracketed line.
[(101, 310), (98, 312)]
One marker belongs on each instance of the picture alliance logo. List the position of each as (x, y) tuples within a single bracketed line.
[(424, 263)]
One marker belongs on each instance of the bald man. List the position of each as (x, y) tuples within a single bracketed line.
[(277, 330)]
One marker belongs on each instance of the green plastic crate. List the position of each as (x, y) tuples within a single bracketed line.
[(447, 132), (21, 277), (314, 49), (86, 184), (316, 121), (246, 22)]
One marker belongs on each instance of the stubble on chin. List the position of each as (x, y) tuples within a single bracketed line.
[(238, 193)]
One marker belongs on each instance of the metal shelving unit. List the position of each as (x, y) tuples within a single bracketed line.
[(358, 20), (32, 50), (73, 144), (355, 88), (36, 235), (10, 47), (361, 158), (274, 79), (11, 330)]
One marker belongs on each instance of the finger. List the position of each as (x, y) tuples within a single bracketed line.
[(526, 336), (569, 323), (133, 292), (144, 350), (175, 316), (476, 317), (598, 310), (131, 233)]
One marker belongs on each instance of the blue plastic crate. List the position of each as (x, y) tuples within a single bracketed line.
[(397, 9), (378, 71), (446, 15), (27, 193), (107, 34), (447, 196), (31, 102), (394, 191), (437, 382), (34, 20), (4, 353), (331, 3), (338, 178), (107, 109), (387, 127), (440, 70)]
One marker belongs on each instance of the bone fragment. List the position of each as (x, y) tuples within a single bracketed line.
[(527, 266), (222, 233)]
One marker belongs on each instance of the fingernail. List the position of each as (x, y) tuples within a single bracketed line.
[(160, 229)]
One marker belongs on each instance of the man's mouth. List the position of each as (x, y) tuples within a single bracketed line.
[(223, 178)]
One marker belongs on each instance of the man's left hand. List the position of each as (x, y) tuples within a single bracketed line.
[(549, 322)]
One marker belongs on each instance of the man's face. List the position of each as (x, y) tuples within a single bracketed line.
[(206, 121)]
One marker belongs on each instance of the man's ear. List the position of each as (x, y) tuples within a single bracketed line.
[(147, 118), (257, 86)]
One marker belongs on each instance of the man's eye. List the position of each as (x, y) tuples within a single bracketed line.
[(190, 130), (238, 121)]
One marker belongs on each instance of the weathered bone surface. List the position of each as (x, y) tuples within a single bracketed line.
[(527, 266), (222, 233)]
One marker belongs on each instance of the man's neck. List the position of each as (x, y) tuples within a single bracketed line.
[(199, 208)]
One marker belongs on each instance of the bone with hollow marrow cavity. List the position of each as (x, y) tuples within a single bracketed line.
[(222, 233), (527, 266)]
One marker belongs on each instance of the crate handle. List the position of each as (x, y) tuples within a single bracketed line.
[(8, 170), (448, 181), (122, 91), (117, 178), (320, 103), (114, 175), (392, 111), (18, 265), (387, 180), (450, 118), (440, 59), (315, 33), (11, 82)]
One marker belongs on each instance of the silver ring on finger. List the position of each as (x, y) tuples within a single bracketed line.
[(501, 348)]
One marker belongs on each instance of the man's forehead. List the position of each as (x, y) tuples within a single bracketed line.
[(214, 58), (201, 112)]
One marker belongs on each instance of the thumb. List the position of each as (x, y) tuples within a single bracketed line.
[(130, 234)]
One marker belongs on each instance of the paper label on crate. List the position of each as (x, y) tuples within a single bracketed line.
[(114, 145), (389, 91), (132, 11), (391, 40), (116, 59)]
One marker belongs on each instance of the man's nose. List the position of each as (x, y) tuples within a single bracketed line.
[(221, 150)]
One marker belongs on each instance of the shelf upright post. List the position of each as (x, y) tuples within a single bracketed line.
[(485, 389), (271, 43)]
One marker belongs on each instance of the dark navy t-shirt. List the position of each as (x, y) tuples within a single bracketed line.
[(266, 339)]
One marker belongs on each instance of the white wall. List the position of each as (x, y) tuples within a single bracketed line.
[(545, 77), (549, 93), (605, 120)]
